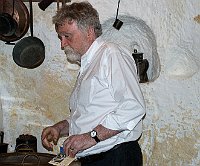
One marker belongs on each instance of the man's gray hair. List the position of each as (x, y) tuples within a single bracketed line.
[(82, 13)]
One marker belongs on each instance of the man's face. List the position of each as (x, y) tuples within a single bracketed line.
[(73, 41)]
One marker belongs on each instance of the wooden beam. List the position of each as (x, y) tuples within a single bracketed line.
[(41, 0)]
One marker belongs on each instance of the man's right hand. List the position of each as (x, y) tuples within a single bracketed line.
[(50, 135)]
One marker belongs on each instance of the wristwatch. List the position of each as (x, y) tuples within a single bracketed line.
[(93, 134)]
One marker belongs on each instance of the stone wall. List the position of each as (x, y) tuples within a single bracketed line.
[(167, 32)]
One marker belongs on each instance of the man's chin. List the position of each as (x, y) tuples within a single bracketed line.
[(77, 62), (72, 56)]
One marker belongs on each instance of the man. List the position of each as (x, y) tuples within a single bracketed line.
[(106, 104)]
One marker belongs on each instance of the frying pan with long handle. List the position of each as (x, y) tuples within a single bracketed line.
[(29, 52)]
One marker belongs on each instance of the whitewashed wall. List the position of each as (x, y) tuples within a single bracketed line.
[(34, 98)]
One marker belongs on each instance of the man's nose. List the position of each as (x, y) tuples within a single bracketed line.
[(64, 43)]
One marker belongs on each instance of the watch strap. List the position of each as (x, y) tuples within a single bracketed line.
[(96, 139)]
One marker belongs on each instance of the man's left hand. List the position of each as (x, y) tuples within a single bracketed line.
[(77, 143)]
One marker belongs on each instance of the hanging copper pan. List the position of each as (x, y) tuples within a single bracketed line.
[(14, 20)]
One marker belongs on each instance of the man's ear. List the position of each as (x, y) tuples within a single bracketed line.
[(91, 33)]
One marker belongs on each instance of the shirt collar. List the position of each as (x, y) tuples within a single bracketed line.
[(90, 54)]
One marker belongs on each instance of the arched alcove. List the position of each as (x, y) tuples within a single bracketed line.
[(135, 34)]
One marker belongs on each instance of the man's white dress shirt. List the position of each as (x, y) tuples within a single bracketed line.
[(107, 92)]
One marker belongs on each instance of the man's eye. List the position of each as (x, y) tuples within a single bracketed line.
[(66, 36)]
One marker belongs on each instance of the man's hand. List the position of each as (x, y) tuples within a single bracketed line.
[(77, 143), (49, 135), (53, 133)]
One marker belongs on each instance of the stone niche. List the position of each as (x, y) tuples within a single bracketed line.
[(135, 34)]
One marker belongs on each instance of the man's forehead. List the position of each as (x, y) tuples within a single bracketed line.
[(65, 26)]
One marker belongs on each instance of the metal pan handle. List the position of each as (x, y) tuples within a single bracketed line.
[(29, 155)]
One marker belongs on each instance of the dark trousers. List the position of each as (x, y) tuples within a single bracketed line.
[(125, 154)]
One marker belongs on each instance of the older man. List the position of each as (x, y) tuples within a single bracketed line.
[(106, 105)]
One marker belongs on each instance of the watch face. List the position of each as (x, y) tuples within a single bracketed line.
[(93, 133)]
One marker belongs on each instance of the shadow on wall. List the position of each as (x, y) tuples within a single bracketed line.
[(135, 34)]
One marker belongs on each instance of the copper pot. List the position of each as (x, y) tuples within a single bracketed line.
[(14, 20)]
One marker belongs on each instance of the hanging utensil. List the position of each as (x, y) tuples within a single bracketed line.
[(118, 23), (14, 20), (44, 4), (29, 52)]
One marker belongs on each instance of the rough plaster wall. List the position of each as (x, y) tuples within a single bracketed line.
[(32, 99)]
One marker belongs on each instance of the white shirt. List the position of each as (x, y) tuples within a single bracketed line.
[(107, 92)]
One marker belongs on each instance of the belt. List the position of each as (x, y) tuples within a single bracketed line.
[(99, 156)]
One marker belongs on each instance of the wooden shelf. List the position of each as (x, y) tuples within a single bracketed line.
[(41, 0)]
